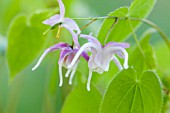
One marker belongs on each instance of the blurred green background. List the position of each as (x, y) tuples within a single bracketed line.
[(38, 92)]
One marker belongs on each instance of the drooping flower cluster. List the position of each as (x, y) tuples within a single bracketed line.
[(101, 56), (98, 61)]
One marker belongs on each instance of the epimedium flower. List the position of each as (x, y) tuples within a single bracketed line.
[(67, 23), (101, 56), (67, 53)]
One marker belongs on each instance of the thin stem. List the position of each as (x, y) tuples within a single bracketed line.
[(136, 39), (88, 24), (90, 18), (50, 28), (111, 28), (101, 18), (162, 34), (46, 31)]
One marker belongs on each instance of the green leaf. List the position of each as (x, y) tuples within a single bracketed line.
[(141, 8), (121, 30), (162, 53), (148, 61), (10, 8), (82, 101), (25, 40), (128, 94)]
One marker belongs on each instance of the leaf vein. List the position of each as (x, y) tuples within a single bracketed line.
[(124, 97)]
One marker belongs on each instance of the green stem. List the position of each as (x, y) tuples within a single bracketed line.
[(52, 27), (90, 18), (111, 28), (162, 34), (135, 38), (88, 24), (101, 18)]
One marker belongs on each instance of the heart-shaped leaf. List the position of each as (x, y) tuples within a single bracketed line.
[(129, 94), (25, 40)]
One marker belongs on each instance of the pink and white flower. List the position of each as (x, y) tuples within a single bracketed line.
[(101, 56), (67, 23), (66, 56)]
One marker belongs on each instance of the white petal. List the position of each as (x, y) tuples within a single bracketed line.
[(41, 58), (68, 73), (60, 74), (72, 74), (80, 52), (91, 64), (115, 50), (52, 48), (74, 35), (126, 59), (89, 80), (71, 24), (99, 70), (52, 20), (62, 10), (116, 61), (91, 39), (103, 59)]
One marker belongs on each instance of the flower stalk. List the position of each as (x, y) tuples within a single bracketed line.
[(162, 34)]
